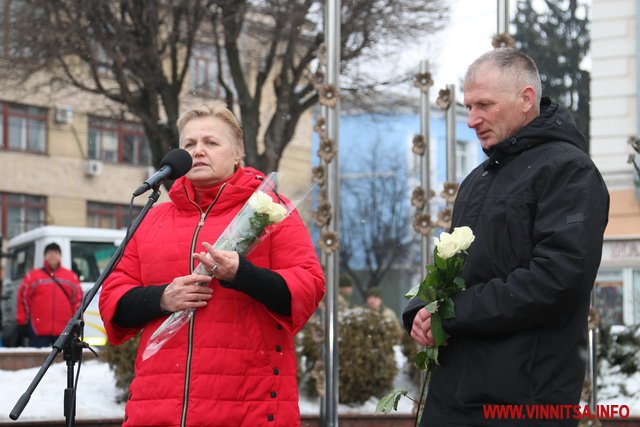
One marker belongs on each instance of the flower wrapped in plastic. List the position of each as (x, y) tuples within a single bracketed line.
[(264, 209)]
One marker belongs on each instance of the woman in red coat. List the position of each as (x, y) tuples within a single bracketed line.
[(234, 364)]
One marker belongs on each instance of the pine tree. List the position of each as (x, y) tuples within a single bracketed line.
[(557, 38)]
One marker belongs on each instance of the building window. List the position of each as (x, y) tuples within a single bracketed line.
[(609, 297), (106, 215), (203, 70), (118, 142), (23, 128), (20, 213), (464, 162)]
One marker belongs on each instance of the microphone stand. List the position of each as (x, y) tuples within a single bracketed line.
[(69, 340)]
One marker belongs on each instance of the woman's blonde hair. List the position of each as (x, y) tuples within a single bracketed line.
[(219, 111)]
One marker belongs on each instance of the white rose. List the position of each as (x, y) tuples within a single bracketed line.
[(464, 236), (262, 203), (447, 246), (277, 213)]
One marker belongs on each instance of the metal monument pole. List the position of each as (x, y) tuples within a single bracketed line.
[(451, 134), (332, 257), (447, 101), (503, 17), (425, 160)]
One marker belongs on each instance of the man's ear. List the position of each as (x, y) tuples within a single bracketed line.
[(528, 98)]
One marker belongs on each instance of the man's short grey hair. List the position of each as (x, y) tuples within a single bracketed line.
[(514, 65)]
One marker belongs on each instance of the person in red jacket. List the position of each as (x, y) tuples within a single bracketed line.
[(47, 298), (234, 363)]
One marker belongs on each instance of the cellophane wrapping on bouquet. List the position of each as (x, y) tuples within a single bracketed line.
[(263, 211)]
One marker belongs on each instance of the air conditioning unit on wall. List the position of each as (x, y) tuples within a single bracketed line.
[(63, 115), (93, 167)]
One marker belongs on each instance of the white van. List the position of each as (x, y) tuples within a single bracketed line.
[(86, 251)]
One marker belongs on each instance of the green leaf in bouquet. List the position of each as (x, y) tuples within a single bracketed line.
[(431, 268), (434, 278), (389, 402), (447, 310), (412, 292), (427, 293), (426, 359), (438, 332), (421, 360), (460, 283), (432, 356), (432, 307), (439, 262)]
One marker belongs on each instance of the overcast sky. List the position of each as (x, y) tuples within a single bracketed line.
[(467, 35), (472, 25)]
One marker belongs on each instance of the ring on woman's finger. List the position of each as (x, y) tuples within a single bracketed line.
[(213, 269)]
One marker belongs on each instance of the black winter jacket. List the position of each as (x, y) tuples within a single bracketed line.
[(538, 208)]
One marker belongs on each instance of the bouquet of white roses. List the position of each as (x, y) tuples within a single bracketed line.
[(242, 234), (442, 282)]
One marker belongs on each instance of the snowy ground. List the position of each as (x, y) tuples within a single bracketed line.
[(97, 393)]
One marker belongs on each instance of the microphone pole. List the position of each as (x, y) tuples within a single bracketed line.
[(69, 341)]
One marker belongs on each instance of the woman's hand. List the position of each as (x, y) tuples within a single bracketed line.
[(223, 264), (184, 292)]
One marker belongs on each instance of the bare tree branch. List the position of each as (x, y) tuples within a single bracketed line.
[(137, 53)]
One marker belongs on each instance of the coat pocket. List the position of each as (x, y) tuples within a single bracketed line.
[(498, 369)]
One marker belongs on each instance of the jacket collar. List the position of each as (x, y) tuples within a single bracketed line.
[(237, 188), (554, 123)]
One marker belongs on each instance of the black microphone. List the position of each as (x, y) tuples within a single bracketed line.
[(173, 165)]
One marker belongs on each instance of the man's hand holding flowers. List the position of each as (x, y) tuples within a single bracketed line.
[(448, 246), (443, 281), (421, 330)]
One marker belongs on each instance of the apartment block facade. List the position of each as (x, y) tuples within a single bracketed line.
[(72, 158)]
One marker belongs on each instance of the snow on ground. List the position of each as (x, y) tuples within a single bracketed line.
[(97, 392), (95, 400), (618, 389)]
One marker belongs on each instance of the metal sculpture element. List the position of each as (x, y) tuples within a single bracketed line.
[(329, 95), (321, 127), (450, 191), (323, 214), (423, 81), (422, 224), (503, 40), (329, 242), (444, 218), (327, 150), (418, 197), (419, 146), (421, 197), (444, 98), (317, 175)]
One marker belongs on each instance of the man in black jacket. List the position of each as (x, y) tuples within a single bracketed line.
[(538, 208)]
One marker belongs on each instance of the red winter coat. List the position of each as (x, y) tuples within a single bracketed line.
[(44, 303), (235, 365)]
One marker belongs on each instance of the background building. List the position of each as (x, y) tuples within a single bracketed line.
[(71, 158), (615, 107)]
